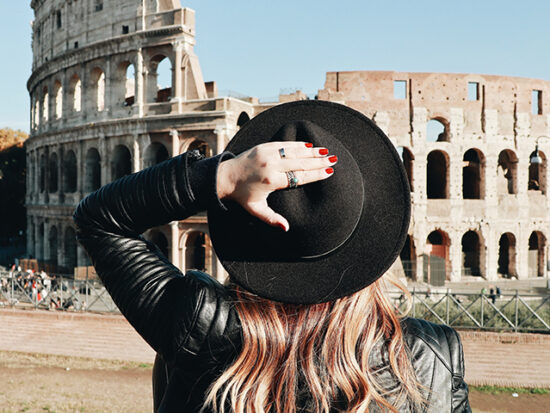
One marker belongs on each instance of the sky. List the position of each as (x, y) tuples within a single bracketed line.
[(261, 48)]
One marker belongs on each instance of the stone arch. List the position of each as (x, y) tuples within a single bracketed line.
[(160, 78), (507, 255), (200, 145), (70, 249), (537, 174), (75, 88), (507, 172), (408, 257), (198, 250), (437, 182), (436, 261), (437, 130), (45, 104), (473, 174), (536, 254), (53, 246), (58, 96), (42, 173), (471, 253), (121, 163), (243, 118), (36, 112), (158, 238), (126, 83), (52, 173), (155, 153), (97, 83), (69, 172), (92, 168), (407, 158)]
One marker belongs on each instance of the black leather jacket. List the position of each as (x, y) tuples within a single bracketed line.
[(189, 320)]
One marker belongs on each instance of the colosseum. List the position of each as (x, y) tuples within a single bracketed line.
[(117, 89)]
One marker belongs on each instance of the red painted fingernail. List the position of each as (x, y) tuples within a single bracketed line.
[(323, 151), (282, 227), (329, 171), (309, 145), (333, 158)]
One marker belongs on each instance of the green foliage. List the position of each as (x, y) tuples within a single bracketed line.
[(501, 390)]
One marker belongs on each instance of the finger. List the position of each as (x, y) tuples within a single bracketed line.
[(300, 152), (262, 211), (308, 164), (307, 177)]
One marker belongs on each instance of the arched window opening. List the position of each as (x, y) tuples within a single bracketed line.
[(507, 173), (243, 118), (472, 175), (52, 242), (160, 240), (160, 79), (98, 89), (537, 174), (536, 259), (197, 252), (121, 164), (155, 153), (437, 175), (92, 177), (52, 172), (407, 158), (36, 113), (201, 146), (45, 104), (40, 243), (42, 177), (408, 258), (70, 249), (507, 255), (130, 85), (436, 258), (58, 91), (76, 93), (69, 172), (436, 131), (471, 254)]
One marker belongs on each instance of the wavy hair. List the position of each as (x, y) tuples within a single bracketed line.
[(322, 349)]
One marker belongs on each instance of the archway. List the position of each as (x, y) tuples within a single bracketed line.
[(197, 252), (200, 146), (42, 177), (471, 251), (154, 154), (437, 175), (97, 80), (507, 172), (52, 242), (436, 130), (70, 249), (160, 79), (40, 243), (436, 260), (52, 173), (128, 74), (507, 255), (45, 104), (536, 255), (92, 175), (537, 174), (121, 164), (243, 118), (58, 93), (69, 172), (473, 177), (76, 93)]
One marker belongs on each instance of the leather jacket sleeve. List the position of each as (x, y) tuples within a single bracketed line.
[(153, 294)]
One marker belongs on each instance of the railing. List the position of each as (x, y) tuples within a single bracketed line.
[(54, 292), (482, 311)]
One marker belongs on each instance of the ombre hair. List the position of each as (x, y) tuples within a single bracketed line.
[(320, 349)]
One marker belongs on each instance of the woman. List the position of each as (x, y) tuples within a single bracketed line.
[(304, 324)]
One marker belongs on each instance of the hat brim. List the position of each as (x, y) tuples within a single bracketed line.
[(378, 237)]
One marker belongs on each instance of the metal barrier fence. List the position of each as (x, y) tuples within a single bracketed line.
[(58, 292), (481, 311)]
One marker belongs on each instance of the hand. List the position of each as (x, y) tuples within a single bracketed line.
[(249, 178)]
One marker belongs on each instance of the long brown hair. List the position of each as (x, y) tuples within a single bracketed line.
[(322, 348)]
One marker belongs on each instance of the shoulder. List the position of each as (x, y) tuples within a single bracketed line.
[(441, 340), (207, 315)]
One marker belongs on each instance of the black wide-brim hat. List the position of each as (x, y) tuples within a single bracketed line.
[(345, 231)]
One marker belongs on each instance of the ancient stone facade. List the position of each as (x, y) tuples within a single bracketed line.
[(99, 112), (479, 193)]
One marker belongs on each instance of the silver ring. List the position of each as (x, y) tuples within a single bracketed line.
[(282, 153), (292, 180)]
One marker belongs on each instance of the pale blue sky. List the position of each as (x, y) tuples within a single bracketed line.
[(261, 48)]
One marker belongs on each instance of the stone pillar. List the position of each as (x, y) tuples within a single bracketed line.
[(136, 154), (174, 251), (175, 142), (522, 251), (109, 95), (455, 256), (178, 90), (60, 177), (30, 236), (221, 139), (140, 75), (104, 156), (47, 175), (81, 169)]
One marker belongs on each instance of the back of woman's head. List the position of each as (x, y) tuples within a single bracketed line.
[(316, 356)]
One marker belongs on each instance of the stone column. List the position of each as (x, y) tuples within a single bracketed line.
[(60, 177), (136, 154), (221, 139), (175, 142), (109, 95), (455, 256), (104, 159), (178, 92), (30, 235), (140, 75), (81, 169), (47, 176), (522, 251)]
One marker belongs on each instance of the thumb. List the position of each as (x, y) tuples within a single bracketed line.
[(262, 211)]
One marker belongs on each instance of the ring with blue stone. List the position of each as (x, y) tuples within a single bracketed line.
[(292, 180)]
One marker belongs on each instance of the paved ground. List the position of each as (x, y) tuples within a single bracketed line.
[(500, 359)]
